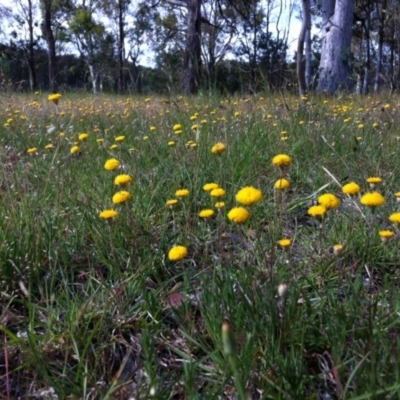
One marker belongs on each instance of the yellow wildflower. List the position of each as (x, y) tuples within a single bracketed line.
[(385, 235), (238, 215), (219, 204), (177, 253), (172, 202), (122, 180), (108, 214), (208, 213), (248, 196), (208, 187), (120, 138), (351, 189), (317, 211), (282, 184), (329, 201), (182, 193), (32, 150), (83, 136), (395, 218), (281, 160), (217, 192), (372, 199), (285, 243), (112, 164), (74, 149), (121, 197), (218, 148)]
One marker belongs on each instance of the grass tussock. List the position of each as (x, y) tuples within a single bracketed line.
[(199, 248)]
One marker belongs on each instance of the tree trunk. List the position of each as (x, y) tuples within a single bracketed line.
[(381, 33), (51, 42), (93, 77), (308, 49), (336, 42), (367, 49), (300, 68), (31, 52), (192, 61), (121, 47)]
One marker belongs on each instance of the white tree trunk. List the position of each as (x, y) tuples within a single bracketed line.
[(93, 77), (336, 42)]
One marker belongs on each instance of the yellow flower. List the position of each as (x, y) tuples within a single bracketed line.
[(182, 193), (177, 127), (317, 211), (112, 164), (178, 132), (360, 126), (281, 160), (351, 189), (395, 218), (122, 180), (329, 201), (285, 243), (120, 138), (74, 149), (386, 235), (282, 184), (397, 195), (121, 197), (32, 150), (177, 253), (248, 196), (83, 136), (100, 140), (153, 128), (49, 146), (171, 143), (114, 146), (208, 213), (108, 214), (208, 187), (337, 249), (238, 215), (373, 181), (217, 192), (218, 148), (219, 204), (172, 202), (372, 199), (54, 97)]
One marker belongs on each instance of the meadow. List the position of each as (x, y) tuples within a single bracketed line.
[(199, 248)]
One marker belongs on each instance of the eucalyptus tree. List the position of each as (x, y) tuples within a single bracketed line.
[(93, 42), (337, 19)]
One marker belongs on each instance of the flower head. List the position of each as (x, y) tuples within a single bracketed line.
[(83, 136), (218, 192), (373, 181), (32, 150), (395, 218), (120, 138), (337, 249), (208, 187), (317, 211), (329, 201), (219, 204), (238, 215), (122, 180), (385, 235), (177, 127), (112, 164), (248, 196), (207, 213), (351, 189), (108, 214), (171, 202), (218, 148), (121, 197), (177, 253), (281, 160), (54, 97), (282, 184), (372, 199), (182, 193), (49, 146), (74, 149), (285, 243)]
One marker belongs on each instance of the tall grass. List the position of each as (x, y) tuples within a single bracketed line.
[(95, 309)]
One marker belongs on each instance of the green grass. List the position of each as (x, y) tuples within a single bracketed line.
[(92, 309)]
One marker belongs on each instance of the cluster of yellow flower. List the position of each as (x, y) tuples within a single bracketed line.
[(120, 180)]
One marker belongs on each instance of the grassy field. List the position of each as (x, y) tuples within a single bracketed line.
[(122, 276)]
